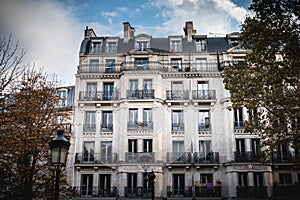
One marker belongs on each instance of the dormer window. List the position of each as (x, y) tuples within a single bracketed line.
[(111, 47), (96, 47), (142, 45), (175, 45), (200, 45)]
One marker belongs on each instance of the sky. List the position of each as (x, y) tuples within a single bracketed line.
[(51, 31)]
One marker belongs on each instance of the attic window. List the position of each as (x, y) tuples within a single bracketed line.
[(200, 45), (95, 47), (142, 45), (175, 45)]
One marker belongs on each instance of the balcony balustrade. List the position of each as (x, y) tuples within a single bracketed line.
[(143, 125), (252, 192), (204, 94), (211, 157), (140, 94), (177, 127), (204, 127), (177, 94), (108, 127), (89, 128), (131, 157), (239, 124), (132, 66), (137, 192), (283, 157), (179, 192), (203, 191), (94, 191), (99, 68), (94, 158), (98, 96), (246, 156), (179, 157)]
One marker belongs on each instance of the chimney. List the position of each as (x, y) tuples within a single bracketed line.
[(88, 33), (189, 30), (128, 31)]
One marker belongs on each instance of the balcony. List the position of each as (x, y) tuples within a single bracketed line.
[(98, 68), (98, 96), (191, 67), (140, 94), (239, 124), (89, 128), (177, 127), (283, 157), (204, 126), (202, 158), (143, 125), (131, 157), (177, 94), (134, 66), (179, 157), (247, 156), (94, 191), (203, 191), (137, 192), (179, 192), (286, 191), (108, 127), (251, 192), (203, 94), (89, 158)]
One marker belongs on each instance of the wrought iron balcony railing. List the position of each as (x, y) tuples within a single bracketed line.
[(177, 127), (91, 158), (99, 68), (179, 192), (107, 127), (89, 128), (98, 96), (204, 127), (239, 124), (140, 94), (247, 156), (204, 191), (95, 191), (252, 192), (177, 94), (211, 157), (283, 157), (143, 125), (204, 94), (179, 157), (137, 192), (131, 157)]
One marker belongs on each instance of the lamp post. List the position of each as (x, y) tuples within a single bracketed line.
[(59, 147)]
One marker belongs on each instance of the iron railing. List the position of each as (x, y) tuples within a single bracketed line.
[(179, 192), (177, 94), (143, 125), (179, 157), (98, 96), (92, 158), (89, 128), (247, 156), (287, 157), (204, 191), (95, 191), (177, 127), (131, 157), (203, 94), (140, 94), (108, 127), (211, 157), (252, 191)]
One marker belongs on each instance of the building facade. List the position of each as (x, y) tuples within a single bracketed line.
[(146, 104)]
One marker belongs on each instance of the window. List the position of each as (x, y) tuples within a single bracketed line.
[(238, 118), (95, 47), (91, 91), (177, 120), (176, 64), (283, 153), (110, 65), (175, 45), (201, 65), (106, 151), (240, 145), (108, 90), (63, 98), (203, 90), (104, 184), (285, 178), (147, 145), (132, 155), (94, 65), (86, 184), (148, 92), (255, 146), (206, 178), (204, 120), (132, 183), (147, 118), (133, 118), (205, 150), (90, 121), (133, 89), (111, 47), (179, 185), (177, 90), (243, 179), (258, 179), (107, 121), (200, 45), (142, 45), (141, 63), (88, 149)]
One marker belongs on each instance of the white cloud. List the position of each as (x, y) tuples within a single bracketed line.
[(109, 14), (48, 32)]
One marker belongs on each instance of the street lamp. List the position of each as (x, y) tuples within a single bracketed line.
[(59, 147)]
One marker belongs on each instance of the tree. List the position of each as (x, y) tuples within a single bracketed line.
[(28, 123), (267, 81)]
